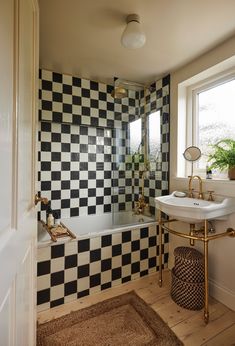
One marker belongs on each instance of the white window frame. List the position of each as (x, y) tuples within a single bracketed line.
[(192, 111)]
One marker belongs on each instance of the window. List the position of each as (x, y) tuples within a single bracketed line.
[(214, 116), (154, 136), (135, 136)]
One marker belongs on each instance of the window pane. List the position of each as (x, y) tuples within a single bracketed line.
[(154, 135), (135, 136), (216, 117)]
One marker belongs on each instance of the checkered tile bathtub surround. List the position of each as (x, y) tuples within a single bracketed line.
[(73, 111), (78, 268)]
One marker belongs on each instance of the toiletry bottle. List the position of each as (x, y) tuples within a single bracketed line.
[(50, 220), (208, 172)]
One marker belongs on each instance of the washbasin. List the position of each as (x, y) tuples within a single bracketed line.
[(194, 210)]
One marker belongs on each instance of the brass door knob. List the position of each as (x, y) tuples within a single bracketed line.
[(43, 200)]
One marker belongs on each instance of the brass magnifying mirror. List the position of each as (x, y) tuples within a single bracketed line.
[(192, 154)]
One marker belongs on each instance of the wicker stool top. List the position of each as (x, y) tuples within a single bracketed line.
[(188, 254)]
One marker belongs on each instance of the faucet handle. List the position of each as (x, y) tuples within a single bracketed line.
[(210, 197), (190, 193)]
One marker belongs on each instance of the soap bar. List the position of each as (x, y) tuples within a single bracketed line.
[(179, 194)]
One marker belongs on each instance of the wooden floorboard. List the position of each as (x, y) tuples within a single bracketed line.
[(188, 325)]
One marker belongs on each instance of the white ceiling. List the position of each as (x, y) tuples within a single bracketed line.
[(82, 37)]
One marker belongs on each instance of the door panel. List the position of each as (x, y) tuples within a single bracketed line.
[(6, 110), (18, 90)]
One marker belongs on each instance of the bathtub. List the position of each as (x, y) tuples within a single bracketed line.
[(104, 254), (91, 225)]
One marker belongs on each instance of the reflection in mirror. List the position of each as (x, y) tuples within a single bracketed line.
[(154, 136), (192, 154)]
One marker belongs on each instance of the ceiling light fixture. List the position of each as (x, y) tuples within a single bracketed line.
[(133, 36)]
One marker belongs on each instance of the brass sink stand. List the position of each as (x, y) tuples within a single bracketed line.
[(205, 238)]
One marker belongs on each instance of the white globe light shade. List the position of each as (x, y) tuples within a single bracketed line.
[(133, 36)]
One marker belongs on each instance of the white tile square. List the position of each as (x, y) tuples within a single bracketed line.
[(70, 274), (106, 252), (57, 264), (106, 277), (43, 282), (95, 267), (71, 247), (44, 254), (70, 298), (95, 243), (57, 292), (83, 284), (83, 258), (116, 261)]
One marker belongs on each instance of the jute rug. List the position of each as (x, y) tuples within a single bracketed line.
[(119, 321)]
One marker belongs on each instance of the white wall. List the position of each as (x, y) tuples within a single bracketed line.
[(222, 251)]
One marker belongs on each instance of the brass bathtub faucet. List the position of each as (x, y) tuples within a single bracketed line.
[(140, 205), (200, 195)]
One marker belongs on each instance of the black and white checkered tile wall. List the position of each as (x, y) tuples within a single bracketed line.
[(81, 267), (77, 161)]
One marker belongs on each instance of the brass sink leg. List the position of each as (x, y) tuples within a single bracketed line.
[(206, 307), (160, 247), (192, 241)]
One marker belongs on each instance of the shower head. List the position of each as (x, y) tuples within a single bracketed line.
[(119, 92)]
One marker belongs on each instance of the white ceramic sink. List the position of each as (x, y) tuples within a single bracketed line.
[(194, 210)]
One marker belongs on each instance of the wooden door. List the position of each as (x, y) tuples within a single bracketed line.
[(18, 108)]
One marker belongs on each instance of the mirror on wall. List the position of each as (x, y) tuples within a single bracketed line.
[(192, 154)]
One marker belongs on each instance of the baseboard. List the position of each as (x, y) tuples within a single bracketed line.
[(222, 294)]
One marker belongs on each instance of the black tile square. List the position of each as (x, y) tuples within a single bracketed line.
[(55, 195), (57, 97), (86, 111), (83, 293), (65, 184), (144, 272), (83, 202), (126, 279), (126, 259), (107, 208), (74, 193), (67, 89), (56, 302), (144, 232), (43, 268), (55, 156), (67, 108), (43, 296), (45, 126), (91, 210), (45, 166), (65, 203), (152, 262), (70, 288), (74, 211), (152, 241), (46, 85), (83, 184), (76, 100), (135, 245), (84, 130), (83, 271), (74, 175), (57, 278), (65, 128), (83, 245), (65, 147), (65, 166), (95, 280), (57, 77), (57, 117), (75, 157), (95, 255), (106, 285), (144, 254), (76, 82), (46, 105), (94, 85), (106, 240), (116, 273), (45, 146), (135, 267), (106, 264), (71, 261), (91, 192), (56, 137), (126, 236), (99, 200), (57, 251), (74, 138), (85, 93), (116, 250)]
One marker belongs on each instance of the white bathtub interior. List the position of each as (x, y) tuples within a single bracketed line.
[(92, 225)]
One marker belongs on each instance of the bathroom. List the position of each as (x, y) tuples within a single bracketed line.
[(112, 124)]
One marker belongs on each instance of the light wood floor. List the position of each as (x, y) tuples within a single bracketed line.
[(187, 325)]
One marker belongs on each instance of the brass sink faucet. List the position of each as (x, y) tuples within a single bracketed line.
[(191, 178)]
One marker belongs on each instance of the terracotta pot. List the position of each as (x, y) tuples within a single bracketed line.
[(231, 173)]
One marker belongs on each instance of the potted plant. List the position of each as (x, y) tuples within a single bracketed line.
[(223, 157)]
